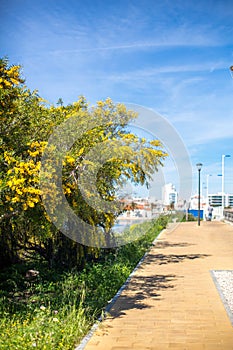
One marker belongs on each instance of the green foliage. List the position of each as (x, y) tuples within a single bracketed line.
[(27, 121), (56, 309), (191, 217)]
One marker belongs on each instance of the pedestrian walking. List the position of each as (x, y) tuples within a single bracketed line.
[(210, 213)]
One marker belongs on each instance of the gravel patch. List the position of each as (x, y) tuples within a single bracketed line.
[(223, 280)]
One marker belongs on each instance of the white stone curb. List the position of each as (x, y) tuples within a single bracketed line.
[(221, 291)]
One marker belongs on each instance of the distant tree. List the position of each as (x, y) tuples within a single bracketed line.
[(60, 102)]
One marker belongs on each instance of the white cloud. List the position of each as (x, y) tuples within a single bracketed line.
[(166, 69)]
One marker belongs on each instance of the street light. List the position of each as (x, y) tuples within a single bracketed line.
[(199, 166), (223, 175), (207, 187)]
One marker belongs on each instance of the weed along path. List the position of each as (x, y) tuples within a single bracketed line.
[(54, 307), (172, 301)]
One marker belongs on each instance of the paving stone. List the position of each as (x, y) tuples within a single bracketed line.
[(179, 307)]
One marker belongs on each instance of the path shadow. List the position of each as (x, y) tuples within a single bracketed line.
[(167, 244), (140, 289), (161, 259)]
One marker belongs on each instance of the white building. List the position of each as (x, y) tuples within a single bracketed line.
[(169, 194), (215, 200), (193, 203)]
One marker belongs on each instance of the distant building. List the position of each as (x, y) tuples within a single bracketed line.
[(193, 203), (141, 208), (169, 194), (230, 201), (215, 200)]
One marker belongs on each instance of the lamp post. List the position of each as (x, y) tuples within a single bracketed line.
[(199, 166), (223, 179), (207, 187)]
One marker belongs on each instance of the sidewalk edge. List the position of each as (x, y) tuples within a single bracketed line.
[(222, 296), (87, 337)]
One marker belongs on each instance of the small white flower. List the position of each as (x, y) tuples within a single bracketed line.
[(42, 307), (55, 319)]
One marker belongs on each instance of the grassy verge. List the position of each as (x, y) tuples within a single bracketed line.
[(57, 308)]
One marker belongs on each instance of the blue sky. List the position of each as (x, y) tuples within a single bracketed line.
[(169, 56)]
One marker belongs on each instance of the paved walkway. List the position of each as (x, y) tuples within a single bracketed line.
[(171, 301)]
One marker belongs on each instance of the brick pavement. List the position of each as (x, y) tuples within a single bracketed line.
[(171, 302)]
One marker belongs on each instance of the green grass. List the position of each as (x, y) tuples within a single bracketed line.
[(58, 308)]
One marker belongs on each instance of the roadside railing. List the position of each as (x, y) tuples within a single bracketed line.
[(228, 215)]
